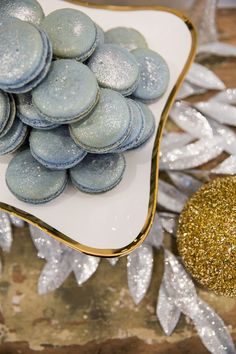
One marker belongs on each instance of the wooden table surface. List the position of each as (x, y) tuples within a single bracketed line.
[(99, 317)]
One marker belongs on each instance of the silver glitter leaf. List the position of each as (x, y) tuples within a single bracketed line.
[(188, 89), (83, 266), (5, 232), (212, 330), (113, 261), (170, 197), (167, 313), (139, 267), (54, 274), (201, 76), (228, 166), (156, 234), (169, 222), (173, 140), (218, 48), (186, 183), (17, 221), (192, 155), (221, 112), (48, 248), (190, 120), (228, 96), (228, 135)]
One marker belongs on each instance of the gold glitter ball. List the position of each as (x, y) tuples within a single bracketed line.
[(206, 235)]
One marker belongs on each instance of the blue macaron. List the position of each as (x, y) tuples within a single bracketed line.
[(4, 109), (154, 75), (68, 93), (98, 173), (128, 38), (106, 127), (72, 33), (31, 182), (14, 138), (149, 125), (25, 10), (55, 148), (115, 68), (11, 117)]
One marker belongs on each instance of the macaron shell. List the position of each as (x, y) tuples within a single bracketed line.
[(14, 138), (4, 109), (25, 10), (106, 127), (73, 33), (154, 75), (69, 91), (11, 118), (149, 125), (128, 38), (31, 182), (55, 149), (115, 68), (98, 173)]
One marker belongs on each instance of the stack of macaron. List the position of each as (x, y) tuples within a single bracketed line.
[(80, 100)]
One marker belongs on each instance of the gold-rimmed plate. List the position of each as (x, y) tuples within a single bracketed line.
[(115, 223)]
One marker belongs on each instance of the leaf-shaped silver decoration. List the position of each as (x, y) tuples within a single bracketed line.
[(173, 140), (17, 221), (113, 261), (228, 135), (167, 313), (218, 48), (169, 222), (228, 166), (170, 197), (188, 89), (228, 96), (5, 232), (201, 76), (186, 183), (47, 246), (221, 112), (83, 266), (139, 267), (54, 273), (192, 155), (212, 330), (156, 234), (190, 120)]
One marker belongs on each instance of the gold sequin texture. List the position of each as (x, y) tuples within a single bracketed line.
[(206, 235)]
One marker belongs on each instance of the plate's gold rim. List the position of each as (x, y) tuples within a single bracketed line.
[(155, 154)]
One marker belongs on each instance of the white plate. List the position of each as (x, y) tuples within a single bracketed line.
[(114, 223)]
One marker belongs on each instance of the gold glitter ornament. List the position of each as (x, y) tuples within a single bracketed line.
[(206, 235)]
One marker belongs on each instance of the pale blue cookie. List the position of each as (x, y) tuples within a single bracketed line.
[(154, 75), (4, 109), (115, 68), (21, 52), (106, 127), (68, 93), (100, 35), (149, 125), (11, 117), (128, 38), (98, 173), (14, 138), (25, 10), (29, 115), (72, 33), (31, 182), (55, 149)]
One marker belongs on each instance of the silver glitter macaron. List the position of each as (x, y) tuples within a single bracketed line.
[(31, 182), (100, 35), (4, 109), (68, 93), (55, 149), (11, 117), (106, 127), (29, 115), (25, 10), (115, 68), (154, 75), (149, 125), (73, 34), (14, 138), (128, 38), (98, 173)]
